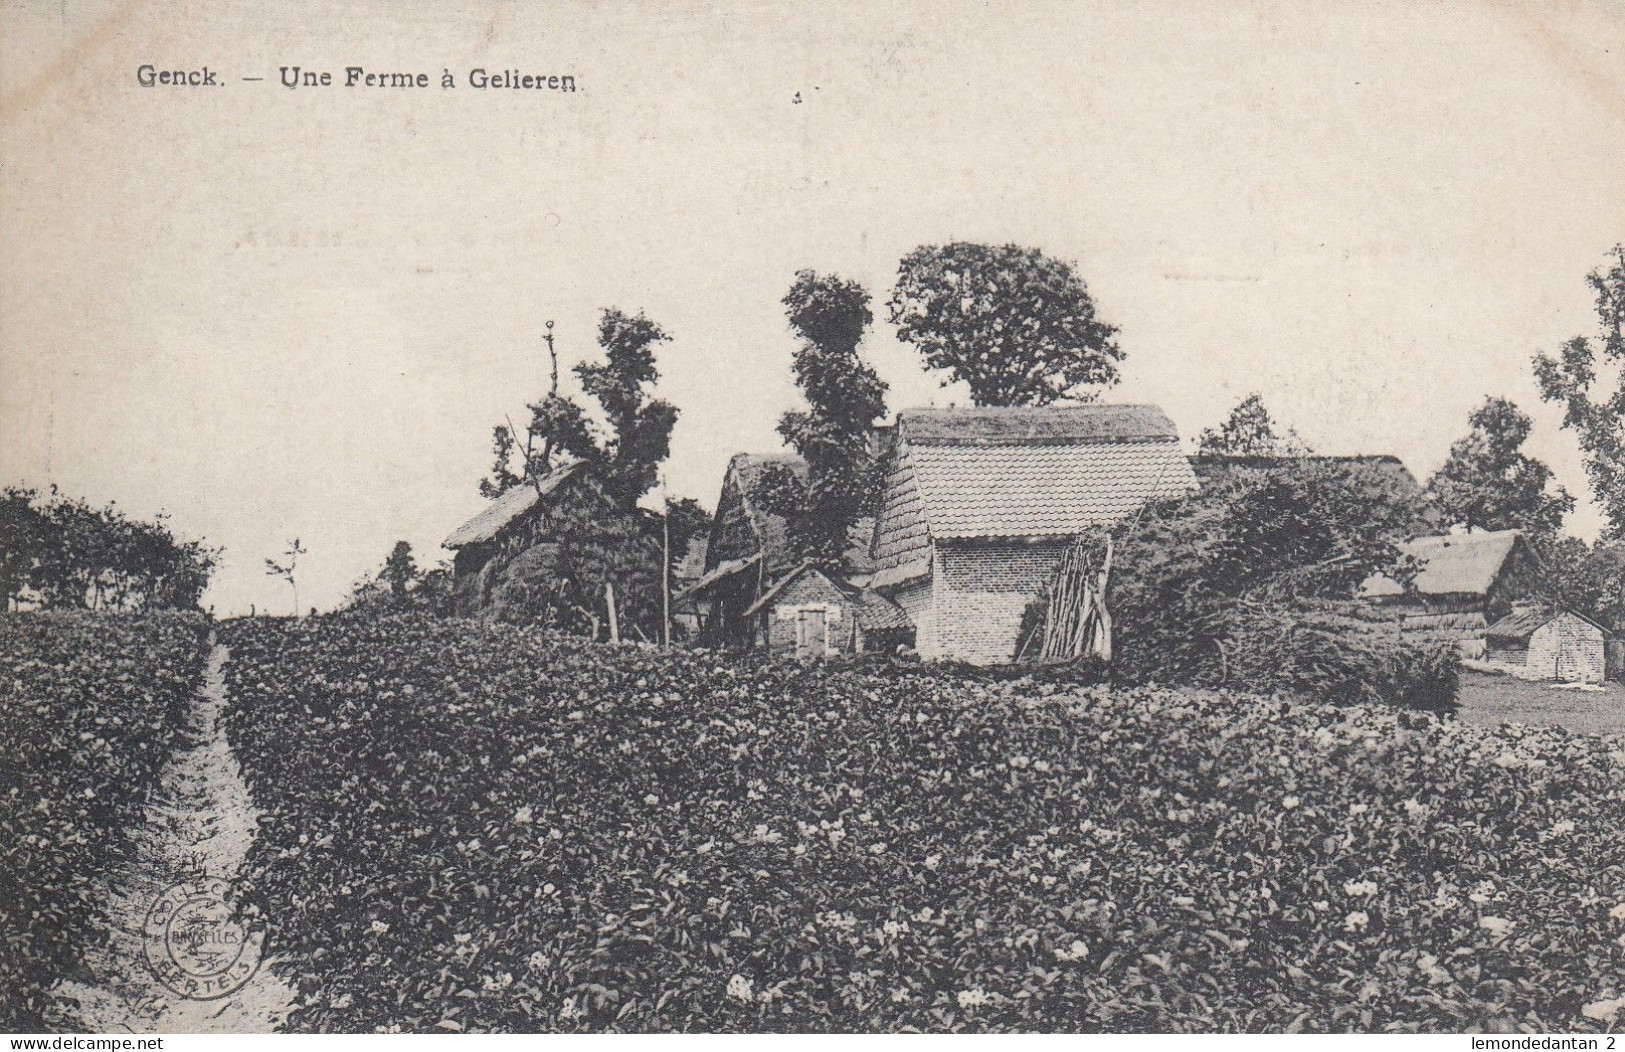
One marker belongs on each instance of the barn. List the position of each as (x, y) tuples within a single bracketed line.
[(979, 504), (747, 556), (1548, 644), (510, 553), (1465, 583), (812, 614)]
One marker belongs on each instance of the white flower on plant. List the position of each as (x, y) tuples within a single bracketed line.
[(973, 998), (1356, 921), (933, 861), (344, 1000), (1075, 952), (537, 961), (1618, 912), (1321, 905), (1414, 809), (462, 938), (1604, 1011), (379, 927), (1356, 810), (1562, 827), (739, 988), (651, 799), (570, 1010), (1360, 888), (522, 816), (1290, 802)]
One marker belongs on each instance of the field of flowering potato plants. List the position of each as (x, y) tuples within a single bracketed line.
[(90, 706), (480, 828)]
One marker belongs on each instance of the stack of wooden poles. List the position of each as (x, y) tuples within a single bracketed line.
[(1077, 624)]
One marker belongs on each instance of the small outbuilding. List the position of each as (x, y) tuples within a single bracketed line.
[(1548, 644), (1464, 583), (810, 614)]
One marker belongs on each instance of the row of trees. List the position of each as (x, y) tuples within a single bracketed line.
[(1017, 327), (62, 553)]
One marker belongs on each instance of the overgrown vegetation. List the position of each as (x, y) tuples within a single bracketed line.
[(62, 553), (90, 708), (1250, 584), (545, 834)]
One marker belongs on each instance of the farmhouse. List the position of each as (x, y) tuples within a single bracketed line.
[(1548, 644), (979, 505), (1465, 583)]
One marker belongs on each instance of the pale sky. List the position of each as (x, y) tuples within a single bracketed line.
[(279, 313)]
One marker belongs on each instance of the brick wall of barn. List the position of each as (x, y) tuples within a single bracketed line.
[(915, 599), (981, 592), (808, 590), (1567, 648)]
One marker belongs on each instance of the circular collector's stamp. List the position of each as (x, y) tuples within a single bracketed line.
[(194, 943)]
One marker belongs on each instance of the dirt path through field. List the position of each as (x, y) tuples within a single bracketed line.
[(196, 836)]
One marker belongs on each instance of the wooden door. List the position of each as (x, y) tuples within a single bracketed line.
[(812, 634)]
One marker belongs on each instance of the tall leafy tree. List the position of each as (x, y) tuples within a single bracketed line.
[(1489, 483), (844, 398), (1018, 327), (1587, 376), (1250, 430), (640, 425)]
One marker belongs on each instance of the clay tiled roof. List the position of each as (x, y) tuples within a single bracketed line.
[(1053, 487), (1518, 626), (504, 510)]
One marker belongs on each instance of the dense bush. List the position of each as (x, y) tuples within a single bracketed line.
[(491, 829), (1250, 584), (90, 706), (65, 554)]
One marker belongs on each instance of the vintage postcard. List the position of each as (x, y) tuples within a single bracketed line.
[(763, 517)]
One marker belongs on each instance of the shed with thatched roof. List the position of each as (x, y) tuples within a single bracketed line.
[(1464, 582)]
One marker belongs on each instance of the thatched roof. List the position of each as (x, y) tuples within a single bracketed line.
[(502, 512), (1455, 564), (772, 531), (1045, 425)]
